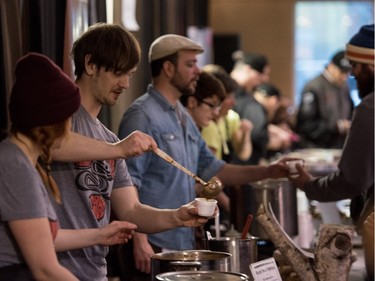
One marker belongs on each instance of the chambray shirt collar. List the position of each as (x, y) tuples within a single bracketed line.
[(162, 100)]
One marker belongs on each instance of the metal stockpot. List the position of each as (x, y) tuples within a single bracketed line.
[(243, 251), (282, 196), (189, 260), (201, 275)]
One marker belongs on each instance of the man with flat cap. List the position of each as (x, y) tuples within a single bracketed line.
[(159, 113)]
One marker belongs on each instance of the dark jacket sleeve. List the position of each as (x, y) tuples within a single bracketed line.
[(310, 123), (356, 167)]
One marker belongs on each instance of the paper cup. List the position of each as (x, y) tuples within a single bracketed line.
[(206, 207), (292, 166)]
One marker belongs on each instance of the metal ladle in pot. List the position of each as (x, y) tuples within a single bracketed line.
[(210, 189)]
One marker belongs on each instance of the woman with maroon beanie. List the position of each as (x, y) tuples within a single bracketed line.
[(42, 101)]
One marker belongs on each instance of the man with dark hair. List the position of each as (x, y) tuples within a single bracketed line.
[(355, 175), (105, 58), (250, 70), (323, 118), (160, 114)]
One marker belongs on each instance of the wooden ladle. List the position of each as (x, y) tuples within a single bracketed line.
[(210, 189)]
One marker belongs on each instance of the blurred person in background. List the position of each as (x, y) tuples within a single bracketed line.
[(249, 71), (281, 137), (260, 108), (355, 176), (285, 118), (285, 115), (228, 135), (204, 106), (323, 118)]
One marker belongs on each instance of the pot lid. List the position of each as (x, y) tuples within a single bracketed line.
[(191, 255), (201, 275)]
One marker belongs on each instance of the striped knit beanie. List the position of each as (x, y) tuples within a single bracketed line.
[(361, 47)]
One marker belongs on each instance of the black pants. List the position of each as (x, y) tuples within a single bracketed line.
[(121, 263)]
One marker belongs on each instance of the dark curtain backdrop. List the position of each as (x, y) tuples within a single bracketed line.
[(34, 26), (45, 26), (11, 50), (161, 17)]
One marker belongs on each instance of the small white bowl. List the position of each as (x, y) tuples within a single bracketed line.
[(206, 207), (292, 165)]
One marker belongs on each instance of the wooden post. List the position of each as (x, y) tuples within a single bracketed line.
[(333, 255)]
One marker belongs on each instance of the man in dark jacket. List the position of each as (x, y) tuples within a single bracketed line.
[(325, 109)]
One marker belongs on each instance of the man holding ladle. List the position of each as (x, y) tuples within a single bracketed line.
[(159, 113)]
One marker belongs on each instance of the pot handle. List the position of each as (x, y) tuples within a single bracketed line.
[(185, 265)]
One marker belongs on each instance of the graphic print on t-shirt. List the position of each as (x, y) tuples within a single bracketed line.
[(94, 178), (54, 226)]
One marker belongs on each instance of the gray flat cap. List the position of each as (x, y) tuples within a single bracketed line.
[(169, 44)]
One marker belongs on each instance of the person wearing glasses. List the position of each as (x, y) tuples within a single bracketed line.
[(205, 103), (160, 114), (204, 106), (228, 135)]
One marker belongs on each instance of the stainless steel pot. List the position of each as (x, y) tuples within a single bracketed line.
[(282, 196), (189, 260), (243, 251), (201, 275)]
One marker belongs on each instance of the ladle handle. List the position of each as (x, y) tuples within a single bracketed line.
[(170, 160), (246, 228)]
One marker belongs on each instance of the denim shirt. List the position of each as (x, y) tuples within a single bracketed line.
[(159, 183)]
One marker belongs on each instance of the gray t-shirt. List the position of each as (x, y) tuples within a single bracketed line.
[(23, 196), (85, 189)]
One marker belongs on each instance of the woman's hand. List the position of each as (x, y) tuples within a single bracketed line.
[(117, 232)]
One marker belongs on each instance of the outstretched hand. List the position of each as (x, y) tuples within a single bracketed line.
[(302, 177), (279, 169), (246, 125), (117, 232)]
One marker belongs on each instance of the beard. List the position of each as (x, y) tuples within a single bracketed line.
[(185, 88), (365, 82)]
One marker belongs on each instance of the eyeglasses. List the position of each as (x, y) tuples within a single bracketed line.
[(212, 106)]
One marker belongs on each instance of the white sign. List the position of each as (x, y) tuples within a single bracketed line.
[(265, 270)]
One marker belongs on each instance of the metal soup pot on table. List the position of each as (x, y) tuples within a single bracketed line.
[(201, 276), (189, 260)]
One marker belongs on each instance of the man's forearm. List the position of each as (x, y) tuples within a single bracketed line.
[(238, 175), (77, 147)]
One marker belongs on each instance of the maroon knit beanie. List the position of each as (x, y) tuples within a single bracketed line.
[(42, 93)]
